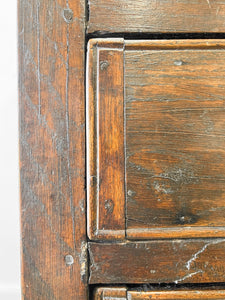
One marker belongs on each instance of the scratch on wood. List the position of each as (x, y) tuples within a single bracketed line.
[(217, 11), (42, 119), (195, 256), (93, 266), (208, 1), (115, 298), (83, 260), (67, 137), (187, 276), (38, 58)]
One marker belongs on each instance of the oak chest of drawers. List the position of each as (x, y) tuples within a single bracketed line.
[(122, 149)]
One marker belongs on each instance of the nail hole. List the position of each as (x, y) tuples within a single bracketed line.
[(130, 193), (104, 65), (69, 260), (178, 62), (68, 15)]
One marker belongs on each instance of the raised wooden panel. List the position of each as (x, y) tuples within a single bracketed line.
[(175, 140), (156, 16), (167, 261), (156, 132), (105, 140)]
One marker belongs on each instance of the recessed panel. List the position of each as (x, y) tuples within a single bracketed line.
[(175, 142)]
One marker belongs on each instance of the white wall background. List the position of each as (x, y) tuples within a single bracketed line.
[(9, 195)]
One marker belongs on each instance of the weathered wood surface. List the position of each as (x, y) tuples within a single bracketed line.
[(175, 140), (156, 16), (105, 140), (52, 149), (126, 294), (168, 261)]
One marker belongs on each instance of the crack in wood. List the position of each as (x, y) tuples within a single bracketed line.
[(196, 255)]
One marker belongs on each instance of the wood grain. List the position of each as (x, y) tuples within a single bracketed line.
[(167, 261), (105, 140), (175, 139), (156, 16), (52, 149)]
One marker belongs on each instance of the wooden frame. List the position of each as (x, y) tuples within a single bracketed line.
[(52, 149), (105, 155)]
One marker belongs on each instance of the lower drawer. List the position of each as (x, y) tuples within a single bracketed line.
[(124, 294)]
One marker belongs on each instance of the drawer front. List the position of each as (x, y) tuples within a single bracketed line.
[(156, 139), (156, 16), (177, 261), (125, 294)]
